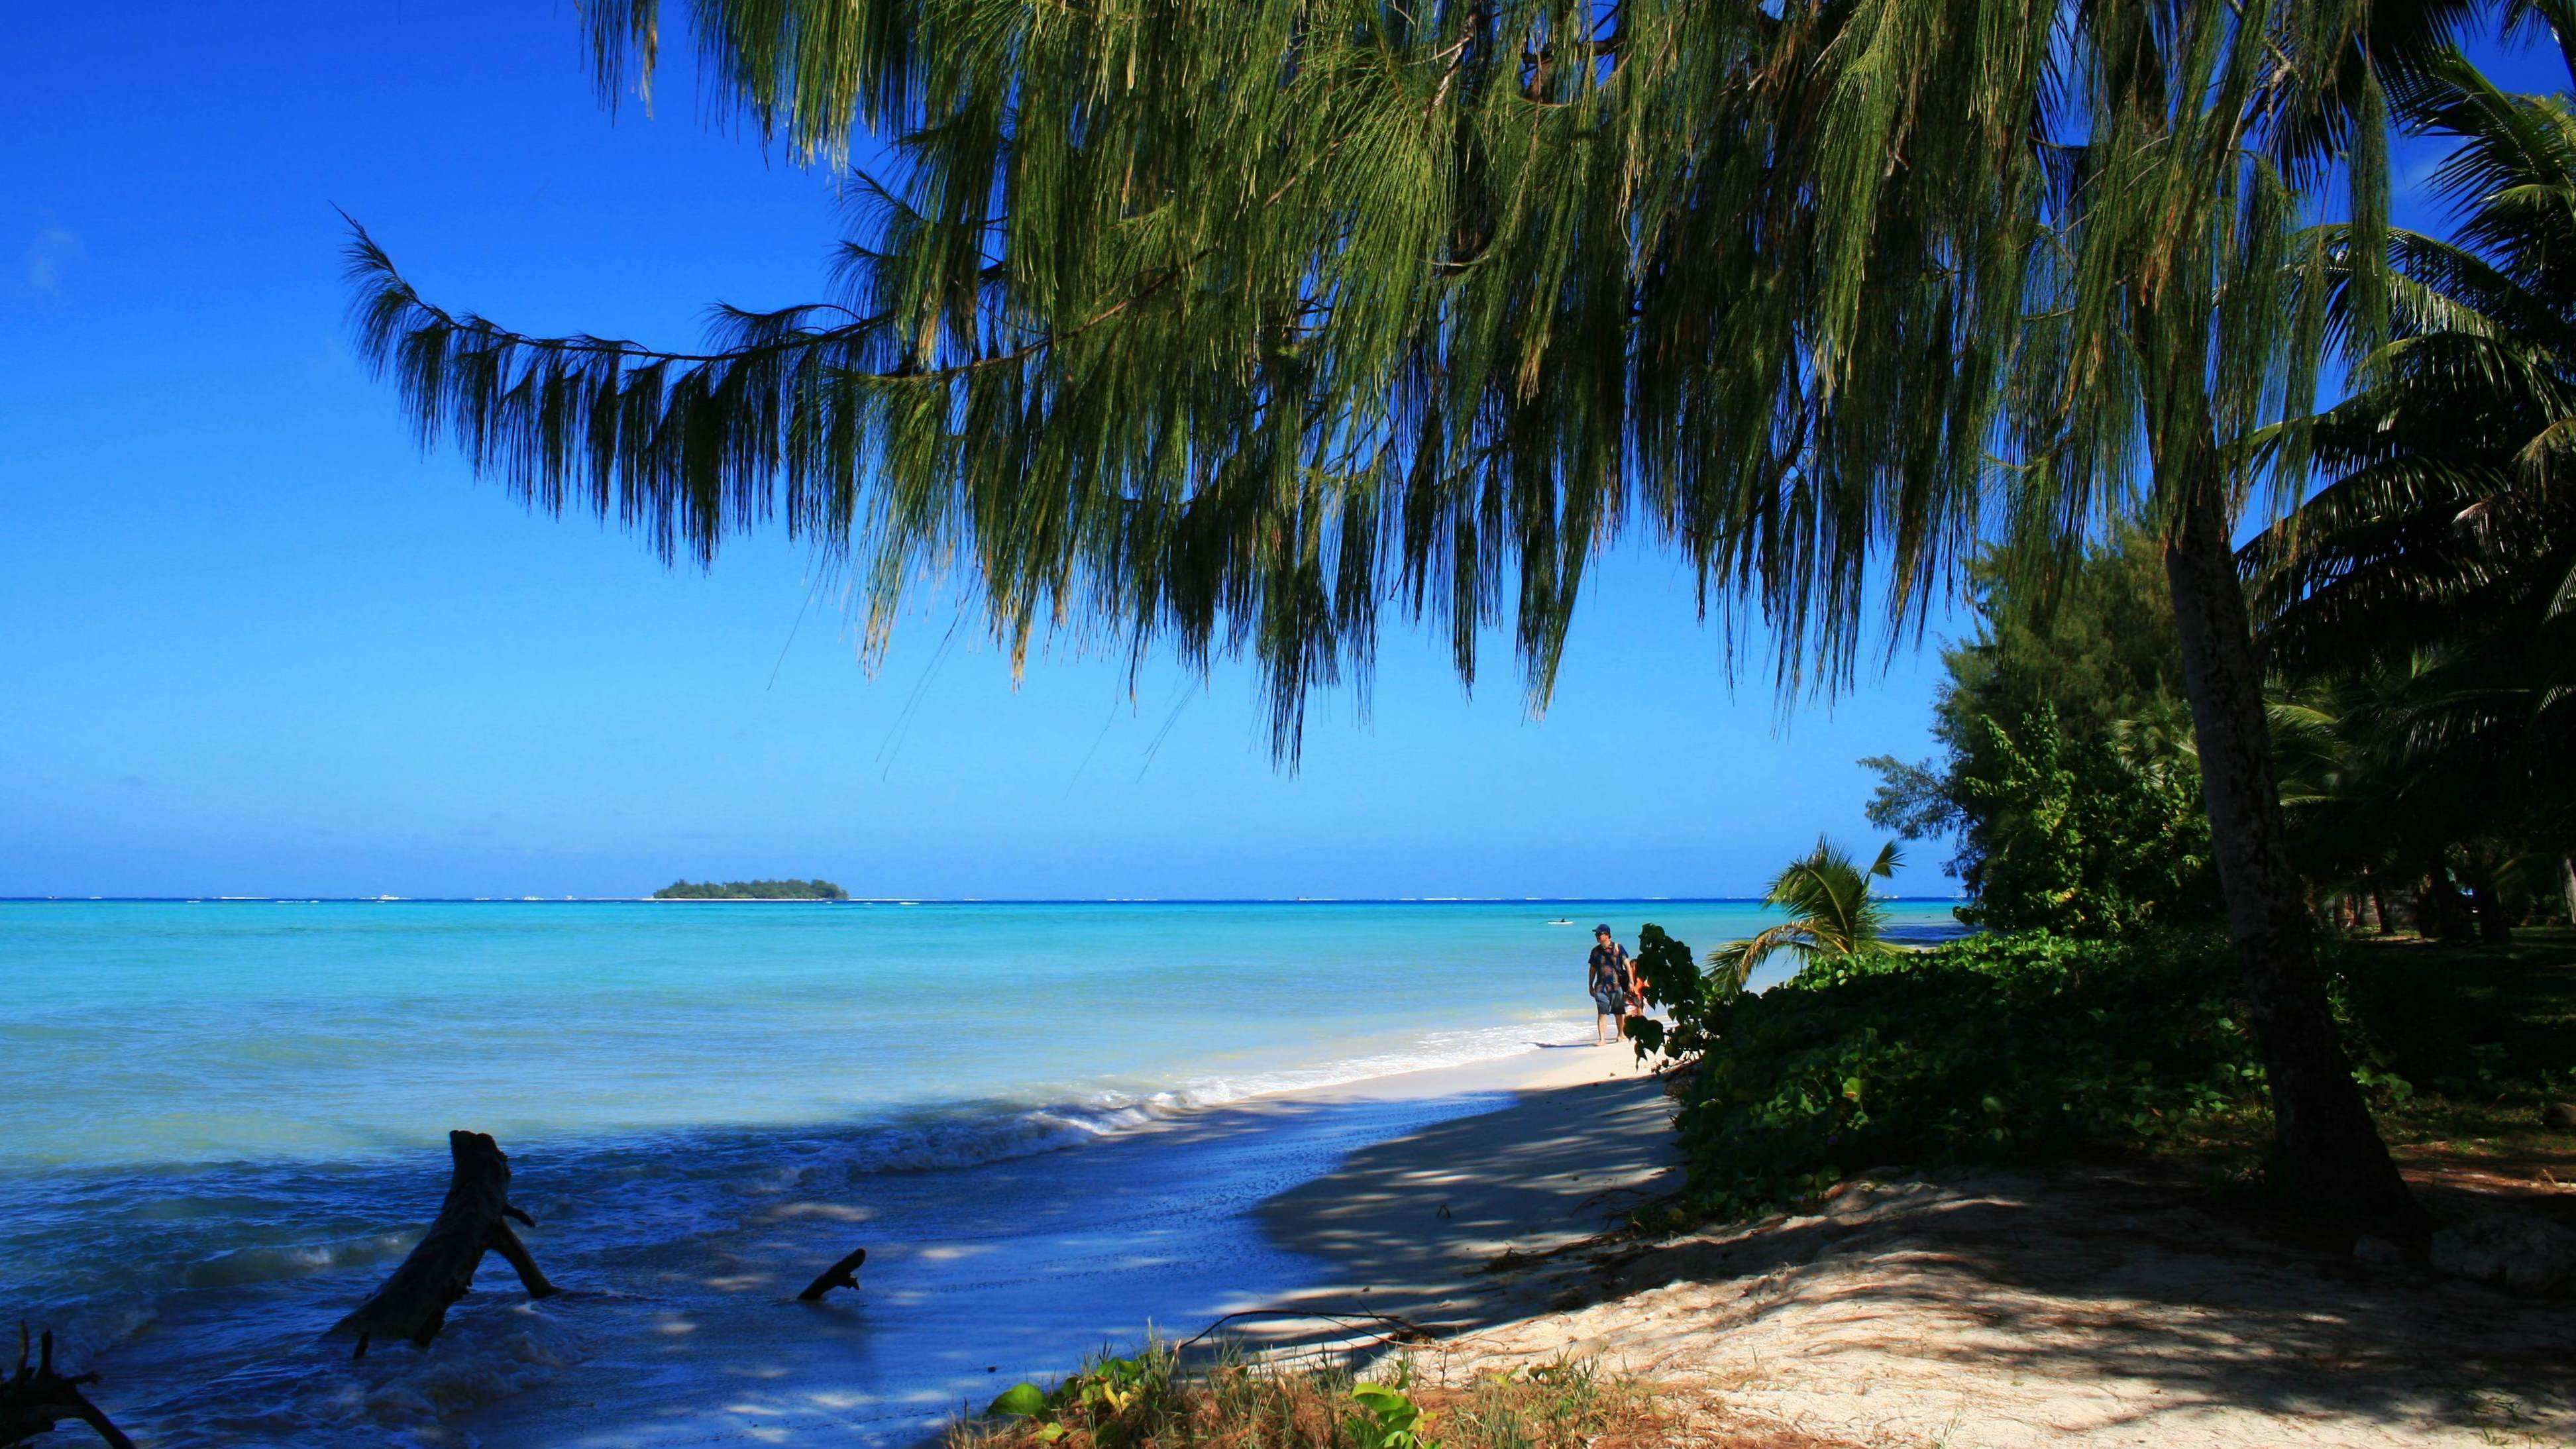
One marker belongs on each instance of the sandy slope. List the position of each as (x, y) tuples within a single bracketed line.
[(1992, 1310), (1409, 1227)]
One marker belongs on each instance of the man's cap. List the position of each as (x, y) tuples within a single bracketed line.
[(1602, 930)]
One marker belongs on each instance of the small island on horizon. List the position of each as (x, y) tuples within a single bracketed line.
[(752, 890)]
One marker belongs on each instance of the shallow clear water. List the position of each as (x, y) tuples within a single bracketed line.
[(226, 1120)]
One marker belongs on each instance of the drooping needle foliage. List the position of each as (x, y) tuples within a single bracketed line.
[(1226, 325), (1229, 324)]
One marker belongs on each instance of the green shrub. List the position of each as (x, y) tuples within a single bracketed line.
[(2466, 1022), (1151, 1401), (1998, 1047), (1388, 1419), (2021, 1047), (1111, 1400)]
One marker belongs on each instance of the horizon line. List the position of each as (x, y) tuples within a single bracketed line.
[(524, 900)]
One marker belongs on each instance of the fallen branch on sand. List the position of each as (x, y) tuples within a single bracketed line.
[(1387, 1327), (36, 1399), (843, 1274), (474, 1220)]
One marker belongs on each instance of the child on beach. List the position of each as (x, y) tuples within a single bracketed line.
[(1613, 985)]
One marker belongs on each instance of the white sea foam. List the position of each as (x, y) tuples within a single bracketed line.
[(993, 1132), (637, 1194), (1432, 1051)]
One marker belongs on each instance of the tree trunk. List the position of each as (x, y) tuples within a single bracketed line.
[(2328, 1153), (2493, 922), (2379, 909), (2567, 885), (474, 1220), (2445, 914), (843, 1274), (37, 1399), (2486, 902)]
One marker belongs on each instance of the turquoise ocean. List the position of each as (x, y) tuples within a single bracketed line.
[(227, 1120)]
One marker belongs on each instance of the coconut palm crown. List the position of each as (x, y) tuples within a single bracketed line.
[(1832, 915), (2441, 553)]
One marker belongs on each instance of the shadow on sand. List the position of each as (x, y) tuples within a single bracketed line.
[(1997, 1307)]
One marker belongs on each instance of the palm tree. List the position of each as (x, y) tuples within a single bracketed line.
[(2367, 807), (1228, 325), (2431, 585), (1832, 916)]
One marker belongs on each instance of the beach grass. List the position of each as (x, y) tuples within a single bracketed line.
[(1158, 1401)]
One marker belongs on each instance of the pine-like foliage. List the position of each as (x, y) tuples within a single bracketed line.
[(1229, 323)]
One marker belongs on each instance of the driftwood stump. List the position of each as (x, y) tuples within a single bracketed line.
[(474, 1220), (843, 1274), (35, 1399)]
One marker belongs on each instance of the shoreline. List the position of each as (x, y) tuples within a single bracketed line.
[(1472, 1200), (1416, 1227), (1023, 1263), (1157, 1229)]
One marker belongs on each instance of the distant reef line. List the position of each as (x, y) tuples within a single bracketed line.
[(566, 900)]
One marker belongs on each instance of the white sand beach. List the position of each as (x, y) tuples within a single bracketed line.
[(2002, 1310)]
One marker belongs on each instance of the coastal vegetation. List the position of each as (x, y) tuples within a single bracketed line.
[(2065, 777), (1155, 1400), (2420, 609), (2413, 620), (1836, 301), (2034, 1048), (2419, 764), (1832, 915), (1995, 1047), (752, 890), (2413, 624)]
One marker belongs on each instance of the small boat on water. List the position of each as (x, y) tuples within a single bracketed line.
[(1561, 921)]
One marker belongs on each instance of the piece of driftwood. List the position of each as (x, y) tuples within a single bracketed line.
[(474, 1220), (843, 1274), (35, 1399)]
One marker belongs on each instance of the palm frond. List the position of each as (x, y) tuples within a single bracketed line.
[(1830, 909)]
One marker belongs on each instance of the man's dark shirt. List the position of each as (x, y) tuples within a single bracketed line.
[(1610, 961)]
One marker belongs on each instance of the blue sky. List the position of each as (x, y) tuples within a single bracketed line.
[(257, 643)]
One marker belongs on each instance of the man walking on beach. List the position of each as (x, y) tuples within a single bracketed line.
[(1611, 982)]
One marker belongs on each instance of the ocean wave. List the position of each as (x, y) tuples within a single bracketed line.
[(969, 1135), (1432, 1051), (638, 1193), (271, 1262)]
